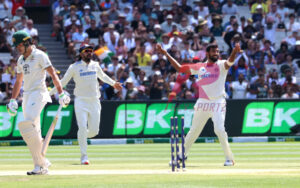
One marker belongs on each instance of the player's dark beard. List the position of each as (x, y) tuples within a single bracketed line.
[(213, 58), (87, 58)]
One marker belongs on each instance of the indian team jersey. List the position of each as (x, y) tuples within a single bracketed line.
[(85, 78), (33, 69), (211, 79)]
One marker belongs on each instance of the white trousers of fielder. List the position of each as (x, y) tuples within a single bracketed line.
[(87, 112), (205, 109)]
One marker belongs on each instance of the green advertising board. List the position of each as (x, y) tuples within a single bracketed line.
[(261, 117), (9, 125)]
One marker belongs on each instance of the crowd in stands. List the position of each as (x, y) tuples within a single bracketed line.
[(124, 34)]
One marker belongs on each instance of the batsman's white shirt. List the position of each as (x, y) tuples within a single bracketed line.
[(85, 78), (34, 73)]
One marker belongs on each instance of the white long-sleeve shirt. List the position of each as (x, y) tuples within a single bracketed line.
[(85, 78)]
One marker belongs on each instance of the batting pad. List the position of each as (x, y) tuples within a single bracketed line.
[(32, 136)]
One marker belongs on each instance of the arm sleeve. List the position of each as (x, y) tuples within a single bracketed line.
[(45, 61), (193, 68), (104, 77), (19, 68), (64, 81)]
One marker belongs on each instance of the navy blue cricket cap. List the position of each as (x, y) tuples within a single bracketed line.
[(84, 47)]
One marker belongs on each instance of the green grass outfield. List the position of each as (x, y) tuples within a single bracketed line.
[(146, 165)]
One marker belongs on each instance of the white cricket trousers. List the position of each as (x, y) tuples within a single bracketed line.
[(33, 104), (205, 109), (87, 112)]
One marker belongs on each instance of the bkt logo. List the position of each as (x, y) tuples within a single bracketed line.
[(9, 128), (134, 119), (261, 117)]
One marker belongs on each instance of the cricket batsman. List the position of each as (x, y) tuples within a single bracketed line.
[(85, 74), (32, 66), (211, 102)]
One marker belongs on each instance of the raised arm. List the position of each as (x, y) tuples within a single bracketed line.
[(173, 62), (231, 58)]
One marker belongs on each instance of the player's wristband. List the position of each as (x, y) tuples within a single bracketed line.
[(230, 63), (12, 100), (61, 95)]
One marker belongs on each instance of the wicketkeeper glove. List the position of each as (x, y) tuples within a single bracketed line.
[(64, 99), (12, 107)]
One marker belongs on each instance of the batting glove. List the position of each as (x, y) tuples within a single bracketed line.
[(64, 99), (12, 107)]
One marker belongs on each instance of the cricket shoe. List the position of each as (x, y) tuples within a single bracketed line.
[(229, 163), (84, 160), (180, 160), (47, 163), (38, 170)]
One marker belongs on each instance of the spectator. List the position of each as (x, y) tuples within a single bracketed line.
[(157, 10), (79, 36), (295, 51), (111, 37), (239, 88), (290, 63), (215, 8), (141, 95), (166, 26), (282, 10), (241, 67), (217, 29), (290, 94), (158, 33), (249, 30), (184, 27), (270, 29), (114, 66), (261, 87), (260, 4), (185, 7), (113, 13), (30, 29), (87, 12), (4, 45), (229, 8), (129, 40), (258, 15), (16, 5), (201, 8), (3, 10), (143, 58), (121, 23), (94, 31), (166, 42), (8, 30), (156, 86), (292, 25), (17, 18), (130, 90), (288, 77), (194, 18), (187, 54), (103, 6), (280, 54), (128, 13)]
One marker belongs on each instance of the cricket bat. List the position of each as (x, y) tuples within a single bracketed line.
[(50, 132)]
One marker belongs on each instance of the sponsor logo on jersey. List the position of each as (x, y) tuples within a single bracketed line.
[(88, 73), (26, 69)]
